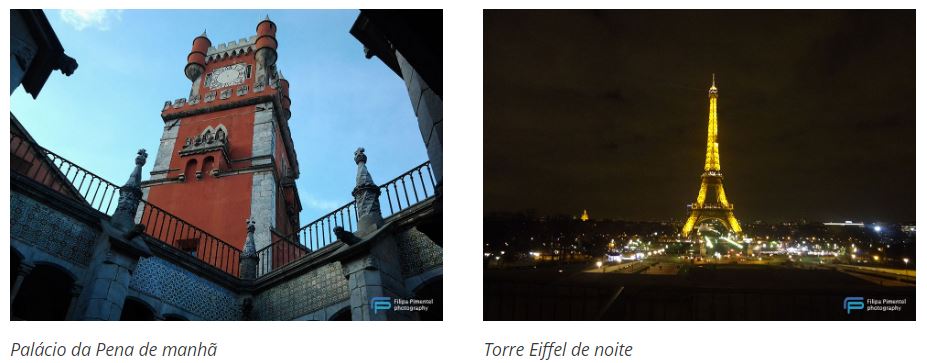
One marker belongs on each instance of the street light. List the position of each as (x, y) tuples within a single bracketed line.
[(905, 261), (598, 264)]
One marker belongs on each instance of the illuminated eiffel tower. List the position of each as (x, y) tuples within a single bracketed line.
[(717, 208)]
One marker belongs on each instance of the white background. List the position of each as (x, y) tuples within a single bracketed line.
[(461, 337)]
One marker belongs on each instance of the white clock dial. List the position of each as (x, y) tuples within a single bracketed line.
[(227, 76)]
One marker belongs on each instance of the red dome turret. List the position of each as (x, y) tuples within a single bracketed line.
[(283, 86), (196, 60), (266, 43)]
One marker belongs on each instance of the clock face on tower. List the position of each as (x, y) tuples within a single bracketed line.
[(227, 76)]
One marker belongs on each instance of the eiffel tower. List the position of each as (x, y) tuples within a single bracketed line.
[(717, 208)]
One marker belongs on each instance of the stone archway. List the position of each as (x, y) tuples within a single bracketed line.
[(175, 317), (432, 289), (15, 261), (342, 315), (136, 310), (45, 294)]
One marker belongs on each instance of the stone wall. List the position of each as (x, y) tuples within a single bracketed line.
[(165, 150), (429, 111), (263, 139), (300, 296), (263, 206)]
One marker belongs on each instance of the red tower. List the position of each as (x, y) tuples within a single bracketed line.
[(226, 153)]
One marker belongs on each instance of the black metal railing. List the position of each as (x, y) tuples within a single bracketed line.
[(180, 234), (61, 175), (71, 180), (420, 190), (404, 191)]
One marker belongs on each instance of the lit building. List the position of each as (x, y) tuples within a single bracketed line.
[(844, 224)]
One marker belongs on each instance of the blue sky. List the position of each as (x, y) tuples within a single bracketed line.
[(131, 61)]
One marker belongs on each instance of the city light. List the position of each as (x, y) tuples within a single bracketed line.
[(905, 261)]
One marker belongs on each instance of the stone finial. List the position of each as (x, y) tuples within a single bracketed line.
[(366, 197), (249, 259), (363, 176), (141, 158), (359, 156), (249, 249), (130, 195)]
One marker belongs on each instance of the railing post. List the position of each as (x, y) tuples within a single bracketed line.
[(366, 197), (248, 261), (129, 195), (117, 258)]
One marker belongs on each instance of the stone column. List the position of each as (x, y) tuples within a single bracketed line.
[(364, 284), (247, 266), (263, 181), (24, 270), (430, 113), (376, 273), (72, 306), (116, 255), (109, 286)]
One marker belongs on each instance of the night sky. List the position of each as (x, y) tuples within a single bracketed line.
[(608, 111)]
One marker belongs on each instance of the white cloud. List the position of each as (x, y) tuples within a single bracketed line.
[(326, 205), (82, 19)]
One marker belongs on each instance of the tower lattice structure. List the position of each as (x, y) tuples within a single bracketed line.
[(712, 203)]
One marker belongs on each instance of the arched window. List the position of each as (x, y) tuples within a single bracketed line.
[(44, 295), (190, 171), (135, 310), (208, 165)]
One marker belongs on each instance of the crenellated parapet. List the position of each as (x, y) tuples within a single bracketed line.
[(231, 49)]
